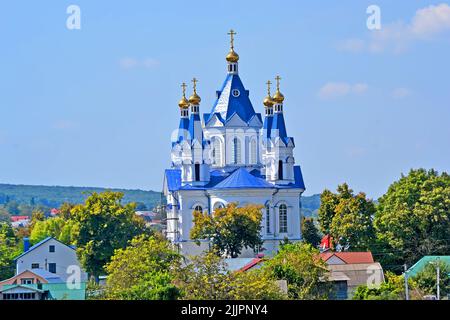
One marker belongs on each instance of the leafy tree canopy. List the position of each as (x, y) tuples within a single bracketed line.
[(230, 229)]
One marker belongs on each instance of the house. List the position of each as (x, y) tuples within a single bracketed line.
[(40, 284), (348, 270), (50, 255), (420, 265), (243, 264), (20, 221)]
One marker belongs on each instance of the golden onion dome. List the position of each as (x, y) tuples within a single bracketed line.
[(183, 103), (278, 97), (232, 56), (268, 101), (194, 99)]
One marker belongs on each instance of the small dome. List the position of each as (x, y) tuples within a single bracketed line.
[(268, 101), (232, 56), (194, 99), (183, 103), (278, 97)]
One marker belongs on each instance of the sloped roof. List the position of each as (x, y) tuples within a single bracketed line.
[(224, 180), (349, 257), (419, 265), (41, 243), (242, 179), (227, 104), (50, 277)]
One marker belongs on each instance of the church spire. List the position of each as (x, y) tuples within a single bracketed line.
[(278, 97), (184, 103), (232, 57)]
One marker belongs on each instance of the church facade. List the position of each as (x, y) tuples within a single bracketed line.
[(233, 154)]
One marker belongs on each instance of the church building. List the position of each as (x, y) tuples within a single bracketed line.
[(233, 154)]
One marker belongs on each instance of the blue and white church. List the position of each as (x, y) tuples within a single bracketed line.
[(233, 154)]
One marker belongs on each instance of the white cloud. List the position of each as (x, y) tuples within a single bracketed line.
[(396, 37), (431, 20), (333, 90), (400, 93), (130, 63)]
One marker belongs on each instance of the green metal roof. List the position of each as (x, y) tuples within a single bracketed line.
[(420, 265)]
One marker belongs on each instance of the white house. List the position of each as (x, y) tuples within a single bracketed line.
[(232, 154), (50, 255)]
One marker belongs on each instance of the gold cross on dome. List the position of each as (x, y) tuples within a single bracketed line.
[(183, 85), (268, 86), (194, 81), (232, 34), (278, 78)]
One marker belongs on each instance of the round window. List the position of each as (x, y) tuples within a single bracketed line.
[(236, 93)]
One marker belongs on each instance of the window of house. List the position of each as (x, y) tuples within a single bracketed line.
[(51, 248), (253, 152), (236, 93), (197, 171), (283, 219), (216, 153), (219, 205), (236, 156), (280, 170), (268, 219), (27, 281), (52, 267), (198, 208), (35, 266)]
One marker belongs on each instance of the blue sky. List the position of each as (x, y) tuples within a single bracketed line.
[(96, 106)]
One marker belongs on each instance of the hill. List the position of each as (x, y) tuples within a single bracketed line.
[(310, 205), (54, 196)]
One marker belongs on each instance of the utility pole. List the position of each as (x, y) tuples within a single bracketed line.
[(437, 279), (406, 283)]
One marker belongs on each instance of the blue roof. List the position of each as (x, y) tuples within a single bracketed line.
[(238, 179), (227, 104), (278, 128), (173, 178), (50, 277), (39, 244), (242, 179), (267, 126)]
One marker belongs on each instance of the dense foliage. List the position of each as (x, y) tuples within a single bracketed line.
[(230, 229), (413, 217), (104, 225), (310, 233), (347, 218), (206, 277), (144, 270), (306, 274)]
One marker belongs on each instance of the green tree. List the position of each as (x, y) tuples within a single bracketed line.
[(230, 229), (143, 271), (4, 215), (8, 243), (310, 233), (426, 279), (206, 277), (37, 215), (12, 207), (413, 218), (64, 230), (104, 225), (305, 273), (392, 289), (348, 218)]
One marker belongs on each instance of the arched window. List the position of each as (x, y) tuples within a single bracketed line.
[(217, 152), (236, 155), (268, 219), (198, 208), (280, 170), (253, 152), (283, 219), (197, 171), (218, 205)]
